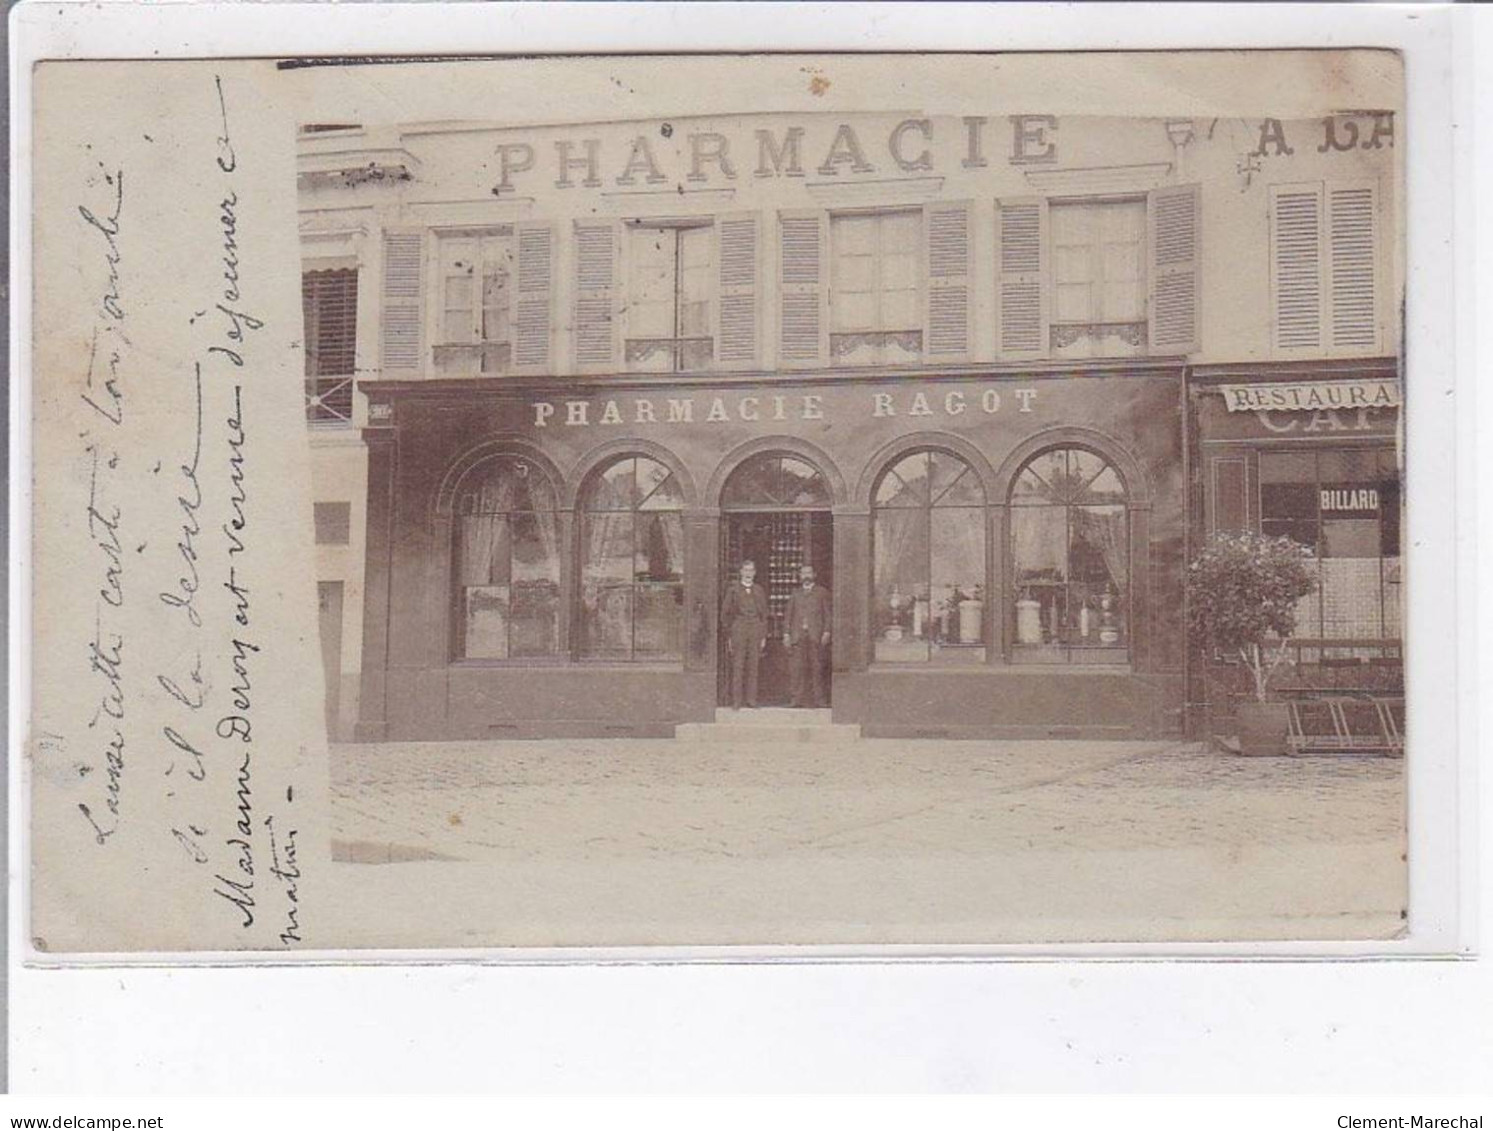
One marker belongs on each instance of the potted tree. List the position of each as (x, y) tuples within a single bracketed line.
[(1242, 595)]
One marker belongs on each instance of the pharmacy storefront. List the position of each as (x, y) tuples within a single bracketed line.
[(1004, 548)]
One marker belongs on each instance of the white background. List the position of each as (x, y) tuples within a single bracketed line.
[(1032, 1025)]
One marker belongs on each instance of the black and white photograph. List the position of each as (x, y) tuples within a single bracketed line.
[(809, 514), (746, 547), (943, 524)]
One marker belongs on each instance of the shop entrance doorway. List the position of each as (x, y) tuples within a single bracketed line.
[(776, 514)]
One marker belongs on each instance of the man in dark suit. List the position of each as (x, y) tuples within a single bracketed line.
[(806, 633), (744, 624)]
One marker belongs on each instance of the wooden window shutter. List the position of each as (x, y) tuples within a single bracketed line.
[(1352, 264), (803, 288), (1296, 265), (737, 319), (946, 320), (329, 302), (597, 276), (532, 297), (402, 333), (1174, 237), (1021, 273)]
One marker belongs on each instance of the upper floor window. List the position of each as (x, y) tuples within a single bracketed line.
[(1099, 278), (1324, 266), (329, 305), (669, 288), (876, 315), (477, 279), (871, 287)]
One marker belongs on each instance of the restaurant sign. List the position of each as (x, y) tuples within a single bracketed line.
[(1312, 396)]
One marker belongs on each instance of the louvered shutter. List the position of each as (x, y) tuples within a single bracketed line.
[(1296, 265), (597, 274), (1021, 272), (946, 322), (736, 295), (532, 297), (803, 287), (401, 334), (1174, 233), (1351, 266)]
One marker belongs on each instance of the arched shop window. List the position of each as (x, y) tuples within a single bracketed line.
[(632, 562), (928, 555), (1070, 536), (507, 562)]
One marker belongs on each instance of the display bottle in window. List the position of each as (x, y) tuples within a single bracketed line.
[(1109, 632), (1028, 619), (971, 610)]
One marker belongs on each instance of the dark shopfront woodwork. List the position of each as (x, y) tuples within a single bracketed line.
[(934, 529)]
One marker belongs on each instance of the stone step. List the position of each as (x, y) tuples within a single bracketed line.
[(773, 716), (779, 733)]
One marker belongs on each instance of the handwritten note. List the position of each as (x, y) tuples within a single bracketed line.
[(177, 752)]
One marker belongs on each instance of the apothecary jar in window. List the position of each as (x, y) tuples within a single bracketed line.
[(1070, 540)]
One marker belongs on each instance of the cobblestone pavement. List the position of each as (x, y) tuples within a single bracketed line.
[(603, 841)]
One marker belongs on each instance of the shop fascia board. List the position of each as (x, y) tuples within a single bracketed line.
[(591, 384)]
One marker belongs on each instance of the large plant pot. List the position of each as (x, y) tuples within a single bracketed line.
[(1263, 728)]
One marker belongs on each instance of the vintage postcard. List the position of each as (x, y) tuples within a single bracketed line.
[(719, 501)]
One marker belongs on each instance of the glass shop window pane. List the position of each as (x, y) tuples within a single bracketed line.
[(1348, 465), (615, 489), (1350, 538), (1039, 542), (606, 620), (536, 547), (961, 487), (957, 593), (802, 485), (901, 615), (486, 622), (658, 626), (1289, 510), (1288, 467), (536, 618), (906, 484), (1098, 566), (658, 490), (475, 550), (608, 545), (660, 546)]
